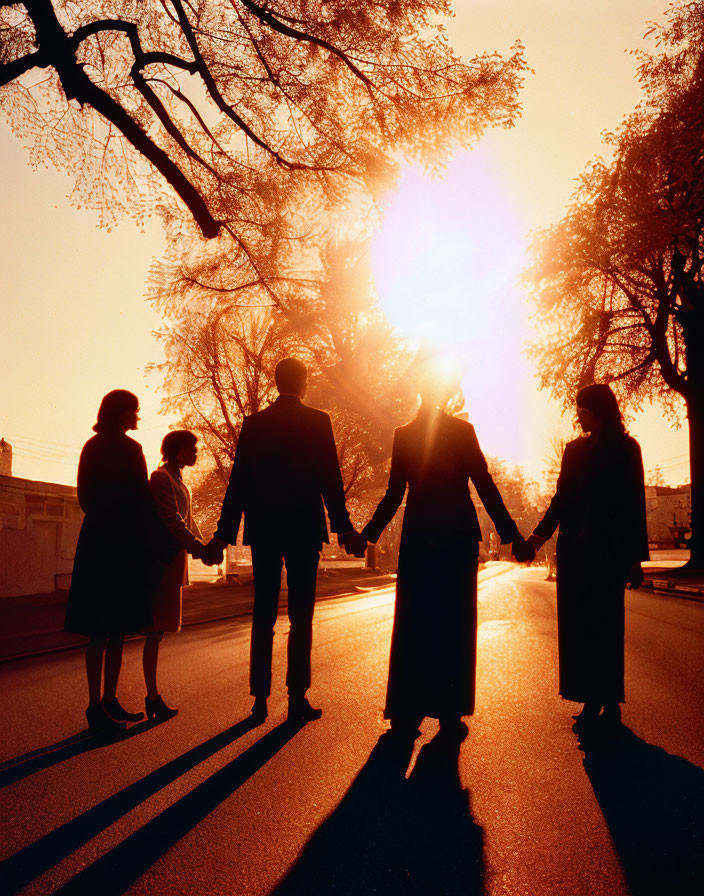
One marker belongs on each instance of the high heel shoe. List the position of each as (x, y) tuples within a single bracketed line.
[(158, 710), (99, 722), (114, 709)]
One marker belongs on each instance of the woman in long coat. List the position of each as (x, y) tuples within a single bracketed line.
[(173, 502), (432, 667), (121, 546), (599, 505)]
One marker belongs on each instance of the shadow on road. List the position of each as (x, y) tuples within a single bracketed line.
[(32, 861), (13, 770), (114, 872), (394, 835), (653, 803)]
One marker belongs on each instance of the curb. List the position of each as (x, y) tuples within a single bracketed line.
[(675, 589)]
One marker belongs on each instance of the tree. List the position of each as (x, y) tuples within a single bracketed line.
[(235, 104), (221, 354), (618, 281)]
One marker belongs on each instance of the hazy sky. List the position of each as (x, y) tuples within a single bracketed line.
[(75, 323)]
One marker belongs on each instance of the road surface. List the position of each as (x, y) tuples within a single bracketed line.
[(206, 804)]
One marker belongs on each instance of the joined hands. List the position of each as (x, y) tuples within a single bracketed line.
[(523, 550), (213, 552), (353, 542)]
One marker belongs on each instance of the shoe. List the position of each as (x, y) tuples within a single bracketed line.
[(453, 728), (114, 709), (586, 720), (158, 710), (406, 726), (259, 709), (611, 716), (100, 722), (300, 710)]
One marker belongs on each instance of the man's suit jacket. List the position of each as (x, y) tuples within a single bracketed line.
[(285, 467)]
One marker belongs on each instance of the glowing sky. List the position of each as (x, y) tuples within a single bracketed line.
[(75, 323)]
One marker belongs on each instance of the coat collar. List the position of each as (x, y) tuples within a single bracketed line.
[(288, 398)]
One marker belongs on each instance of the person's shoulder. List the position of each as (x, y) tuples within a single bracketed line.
[(132, 445), (631, 446), (315, 415), (159, 476), (459, 425)]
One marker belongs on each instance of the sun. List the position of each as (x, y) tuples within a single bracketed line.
[(446, 262)]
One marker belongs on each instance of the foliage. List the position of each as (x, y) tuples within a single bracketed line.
[(237, 105), (616, 278), (221, 354)]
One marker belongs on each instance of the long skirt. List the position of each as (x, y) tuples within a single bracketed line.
[(432, 668), (590, 624)]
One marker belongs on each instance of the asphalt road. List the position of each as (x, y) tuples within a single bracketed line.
[(206, 804)]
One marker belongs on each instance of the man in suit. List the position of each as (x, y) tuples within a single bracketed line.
[(285, 467)]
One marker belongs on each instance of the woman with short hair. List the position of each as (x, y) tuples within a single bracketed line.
[(118, 555), (173, 502), (599, 505)]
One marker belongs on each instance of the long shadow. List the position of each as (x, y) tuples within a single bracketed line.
[(114, 872), (13, 770), (394, 835), (653, 803), (27, 864)]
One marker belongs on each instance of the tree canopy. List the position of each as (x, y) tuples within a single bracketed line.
[(238, 104), (617, 277), (618, 281)]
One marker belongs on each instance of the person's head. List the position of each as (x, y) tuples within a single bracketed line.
[(598, 410), (178, 447), (290, 376), (118, 412), (438, 381)]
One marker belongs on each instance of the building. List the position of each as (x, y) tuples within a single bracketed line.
[(669, 514), (39, 526)]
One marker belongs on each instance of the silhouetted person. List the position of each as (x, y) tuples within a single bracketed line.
[(173, 503), (599, 505), (432, 668), (118, 554), (285, 467)]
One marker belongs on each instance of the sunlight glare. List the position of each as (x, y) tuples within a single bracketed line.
[(446, 260)]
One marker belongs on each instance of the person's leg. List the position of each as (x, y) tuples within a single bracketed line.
[(150, 657), (267, 563), (113, 664), (94, 669), (99, 721), (301, 570)]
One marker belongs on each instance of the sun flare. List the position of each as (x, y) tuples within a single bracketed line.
[(446, 262)]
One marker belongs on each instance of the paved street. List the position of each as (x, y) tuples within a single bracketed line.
[(206, 804)]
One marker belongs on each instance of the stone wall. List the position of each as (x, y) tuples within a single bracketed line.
[(39, 525)]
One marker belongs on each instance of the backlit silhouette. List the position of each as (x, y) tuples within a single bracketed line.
[(285, 467), (432, 668), (599, 505), (118, 556)]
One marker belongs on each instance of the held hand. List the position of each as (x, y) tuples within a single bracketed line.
[(213, 552), (537, 541), (635, 577), (353, 542), (198, 550), (523, 550)]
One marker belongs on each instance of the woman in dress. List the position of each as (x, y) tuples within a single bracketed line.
[(432, 666), (599, 505), (119, 551), (173, 502)]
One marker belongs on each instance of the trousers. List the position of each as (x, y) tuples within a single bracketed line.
[(301, 570)]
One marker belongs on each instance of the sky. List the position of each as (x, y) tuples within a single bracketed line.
[(76, 323)]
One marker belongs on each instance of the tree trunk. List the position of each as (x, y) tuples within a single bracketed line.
[(693, 331)]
